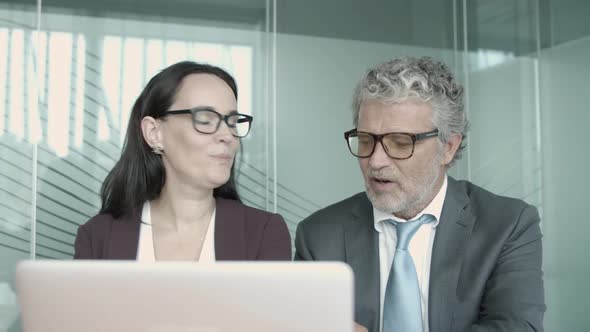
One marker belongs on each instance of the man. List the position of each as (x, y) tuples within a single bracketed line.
[(429, 253)]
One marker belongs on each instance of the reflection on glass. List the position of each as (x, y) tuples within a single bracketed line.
[(8, 306), (58, 101), (33, 121), (16, 87), (241, 60), (126, 64), (110, 74), (176, 51), (484, 58), (133, 63), (3, 63), (154, 57), (80, 90)]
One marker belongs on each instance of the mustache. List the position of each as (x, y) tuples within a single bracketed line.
[(386, 174)]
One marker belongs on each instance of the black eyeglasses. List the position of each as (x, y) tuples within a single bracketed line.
[(207, 121), (397, 145)]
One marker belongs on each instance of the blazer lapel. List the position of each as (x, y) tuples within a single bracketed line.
[(124, 237), (361, 243), (451, 237), (230, 240)]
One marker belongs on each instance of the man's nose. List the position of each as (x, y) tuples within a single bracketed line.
[(379, 158)]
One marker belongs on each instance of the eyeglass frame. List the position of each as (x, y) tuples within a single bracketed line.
[(379, 139), (224, 118)]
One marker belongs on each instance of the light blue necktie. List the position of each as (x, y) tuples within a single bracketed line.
[(402, 311)]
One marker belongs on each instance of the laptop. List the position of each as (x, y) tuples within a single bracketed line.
[(73, 296)]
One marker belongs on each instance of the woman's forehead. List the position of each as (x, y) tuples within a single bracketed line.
[(205, 90)]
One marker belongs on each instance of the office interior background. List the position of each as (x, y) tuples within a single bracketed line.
[(70, 71)]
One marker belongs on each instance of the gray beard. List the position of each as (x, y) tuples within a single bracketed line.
[(411, 205)]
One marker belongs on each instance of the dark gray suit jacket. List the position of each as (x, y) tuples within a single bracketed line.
[(241, 233), (485, 272)]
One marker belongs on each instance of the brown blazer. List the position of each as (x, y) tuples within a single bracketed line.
[(241, 233)]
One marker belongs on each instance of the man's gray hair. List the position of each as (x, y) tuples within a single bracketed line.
[(424, 80)]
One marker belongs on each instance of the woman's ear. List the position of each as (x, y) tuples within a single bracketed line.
[(152, 133)]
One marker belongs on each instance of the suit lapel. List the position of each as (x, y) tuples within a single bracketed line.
[(452, 234), (124, 237), (230, 240), (362, 254)]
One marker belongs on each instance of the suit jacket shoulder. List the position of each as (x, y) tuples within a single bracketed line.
[(252, 216), (106, 237), (246, 233), (498, 215), (338, 213), (322, 235), (482, 198), (102, 223), (486, 258)]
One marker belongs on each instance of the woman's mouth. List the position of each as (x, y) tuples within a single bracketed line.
[(223, 156)]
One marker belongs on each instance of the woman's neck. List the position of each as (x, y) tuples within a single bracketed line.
[(182, 208)]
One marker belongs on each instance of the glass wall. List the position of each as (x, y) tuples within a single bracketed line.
[(501, 70), (563, 84), (69, 74), (70, 71), (526, 73), (17, 171)]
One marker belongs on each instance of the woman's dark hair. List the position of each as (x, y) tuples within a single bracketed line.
[(139, 175)]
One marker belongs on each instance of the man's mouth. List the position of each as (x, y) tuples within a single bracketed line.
[(381, 180)]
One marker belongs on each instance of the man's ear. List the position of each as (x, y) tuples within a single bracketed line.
[(450, 147), (152, 132)]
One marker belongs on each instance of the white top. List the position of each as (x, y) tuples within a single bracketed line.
[(145, 248), (420, 248)]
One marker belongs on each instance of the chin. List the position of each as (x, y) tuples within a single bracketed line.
[(380, 201), (387, 202), (219, 181)]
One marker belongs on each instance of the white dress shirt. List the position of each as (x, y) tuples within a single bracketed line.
[(420, 248), (145, 250)]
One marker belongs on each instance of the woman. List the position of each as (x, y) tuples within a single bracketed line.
[(172, 195)]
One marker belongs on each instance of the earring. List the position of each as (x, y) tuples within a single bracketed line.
[(158, 149)]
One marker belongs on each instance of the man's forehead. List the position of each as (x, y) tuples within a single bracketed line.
[(400, 117), (409, 108)]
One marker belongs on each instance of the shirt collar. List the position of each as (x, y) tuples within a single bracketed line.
[(146, 214), (434, 208)]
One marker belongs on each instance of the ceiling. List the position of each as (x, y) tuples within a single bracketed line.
[(505, 25)]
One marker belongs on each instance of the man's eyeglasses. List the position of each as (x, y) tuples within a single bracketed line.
[(397, 145), (207, 121)]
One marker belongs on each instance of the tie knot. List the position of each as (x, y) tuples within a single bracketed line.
[(406, 230)]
